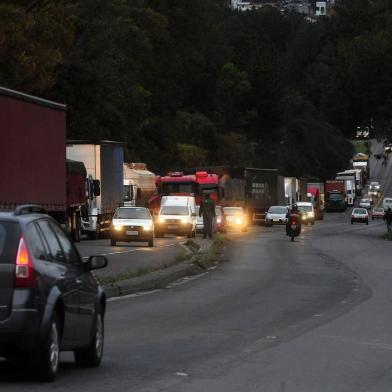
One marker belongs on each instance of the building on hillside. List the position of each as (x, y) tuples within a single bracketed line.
[(242, 5)]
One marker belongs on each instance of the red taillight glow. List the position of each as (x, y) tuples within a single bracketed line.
[(24, 273)]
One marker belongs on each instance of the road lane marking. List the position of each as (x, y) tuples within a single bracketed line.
[(132, 250)]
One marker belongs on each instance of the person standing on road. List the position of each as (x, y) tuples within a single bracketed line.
[(207, 210), (388, 219)]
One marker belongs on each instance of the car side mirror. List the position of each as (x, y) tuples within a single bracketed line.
[(96, 262)]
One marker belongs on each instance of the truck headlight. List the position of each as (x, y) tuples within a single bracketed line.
[(161, 220), (147, 227), (184, 221), (118, 227), (238, 221)]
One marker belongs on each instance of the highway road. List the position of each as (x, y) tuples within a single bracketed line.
[(308, 316)]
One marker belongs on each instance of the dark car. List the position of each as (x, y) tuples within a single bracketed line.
[(49, 299)]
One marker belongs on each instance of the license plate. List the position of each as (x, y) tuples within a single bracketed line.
[(293, 227), (132, 232), (172, 227)]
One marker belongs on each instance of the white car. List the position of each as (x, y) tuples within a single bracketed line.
[(276, 215), (132, 224), (306, 208), (374, 188), (365, 203), (387, 203), (360, 215)]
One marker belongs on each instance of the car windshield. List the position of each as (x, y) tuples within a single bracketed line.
[(132, 213), (233, 211), (378, 210), (305, 208), (278, 210), (360, 211), (174, 210)]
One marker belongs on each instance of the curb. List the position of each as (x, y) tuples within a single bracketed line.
[(159, 279)]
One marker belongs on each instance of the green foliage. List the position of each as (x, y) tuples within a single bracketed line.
[(192, 83)]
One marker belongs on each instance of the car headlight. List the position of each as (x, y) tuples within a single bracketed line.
[(304, 217), (311, 214), (118, 227), (147, 227), (161, 220), (218, 219), (238, 221), (184, 221)]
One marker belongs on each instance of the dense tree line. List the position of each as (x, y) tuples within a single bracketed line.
[(191, 82)]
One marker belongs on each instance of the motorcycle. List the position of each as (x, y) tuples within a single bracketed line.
[(294, 229)]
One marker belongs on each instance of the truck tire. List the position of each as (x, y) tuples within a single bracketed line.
[(77, 231), (113, 242)]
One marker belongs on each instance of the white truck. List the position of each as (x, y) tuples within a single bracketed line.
[(104, 165), (291, 190), (349, 178), (139, 184)]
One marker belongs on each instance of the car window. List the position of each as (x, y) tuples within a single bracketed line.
[(56, 253), (35, 242), (9, 241), (132, 213), (69, 250)]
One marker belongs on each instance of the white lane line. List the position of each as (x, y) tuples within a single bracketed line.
[(132, 250)]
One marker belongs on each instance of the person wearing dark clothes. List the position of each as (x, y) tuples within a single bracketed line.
[(207, 211), (388, 219)]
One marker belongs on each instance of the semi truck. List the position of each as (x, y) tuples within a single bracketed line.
[(33, 168), (105, 181), (335, 197), (349, 178), (139, 184)]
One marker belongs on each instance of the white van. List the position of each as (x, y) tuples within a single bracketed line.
[(177, 215), (387, 203)]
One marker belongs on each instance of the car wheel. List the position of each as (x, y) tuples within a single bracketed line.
[(367, 222), (48, 357), (91, 356), (352, 222), (113, 242), (151, 243)]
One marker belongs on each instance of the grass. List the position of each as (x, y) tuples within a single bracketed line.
[(203, 260)]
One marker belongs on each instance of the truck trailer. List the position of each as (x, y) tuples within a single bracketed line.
[(105, 181), (33, 168), (335, 197)]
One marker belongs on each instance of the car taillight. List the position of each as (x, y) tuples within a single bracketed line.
[(24, 272)]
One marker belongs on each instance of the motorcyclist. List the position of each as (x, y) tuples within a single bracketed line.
[(293, 216)]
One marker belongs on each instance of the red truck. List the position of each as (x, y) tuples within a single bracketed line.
[(335, 195), (33, 166), (180, 184)]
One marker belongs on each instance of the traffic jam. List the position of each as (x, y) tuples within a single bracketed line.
[(56, 192)]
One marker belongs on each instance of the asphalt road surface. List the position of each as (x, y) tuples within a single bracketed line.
[(309, 316)]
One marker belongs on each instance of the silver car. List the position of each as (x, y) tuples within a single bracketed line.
[(276, 215)]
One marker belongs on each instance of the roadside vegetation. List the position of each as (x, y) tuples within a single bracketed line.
[(187, 83)]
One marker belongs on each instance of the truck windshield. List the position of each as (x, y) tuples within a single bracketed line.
[(335, 196), (178, 187), (132, 213), (174, 210)]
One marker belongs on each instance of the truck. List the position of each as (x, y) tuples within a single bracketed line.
[(335, 197), (291, 190), (34, 169), (361, 161), (139, 184), (105, 181), (315, 195), (349, 178)]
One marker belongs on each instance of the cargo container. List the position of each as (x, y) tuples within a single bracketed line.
[(315, 193), (349, 178), (105, 181), (335, 197), (33, 167)]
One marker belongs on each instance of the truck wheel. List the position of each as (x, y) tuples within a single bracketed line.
[(77, 232), (151, 243), (113, 242)]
